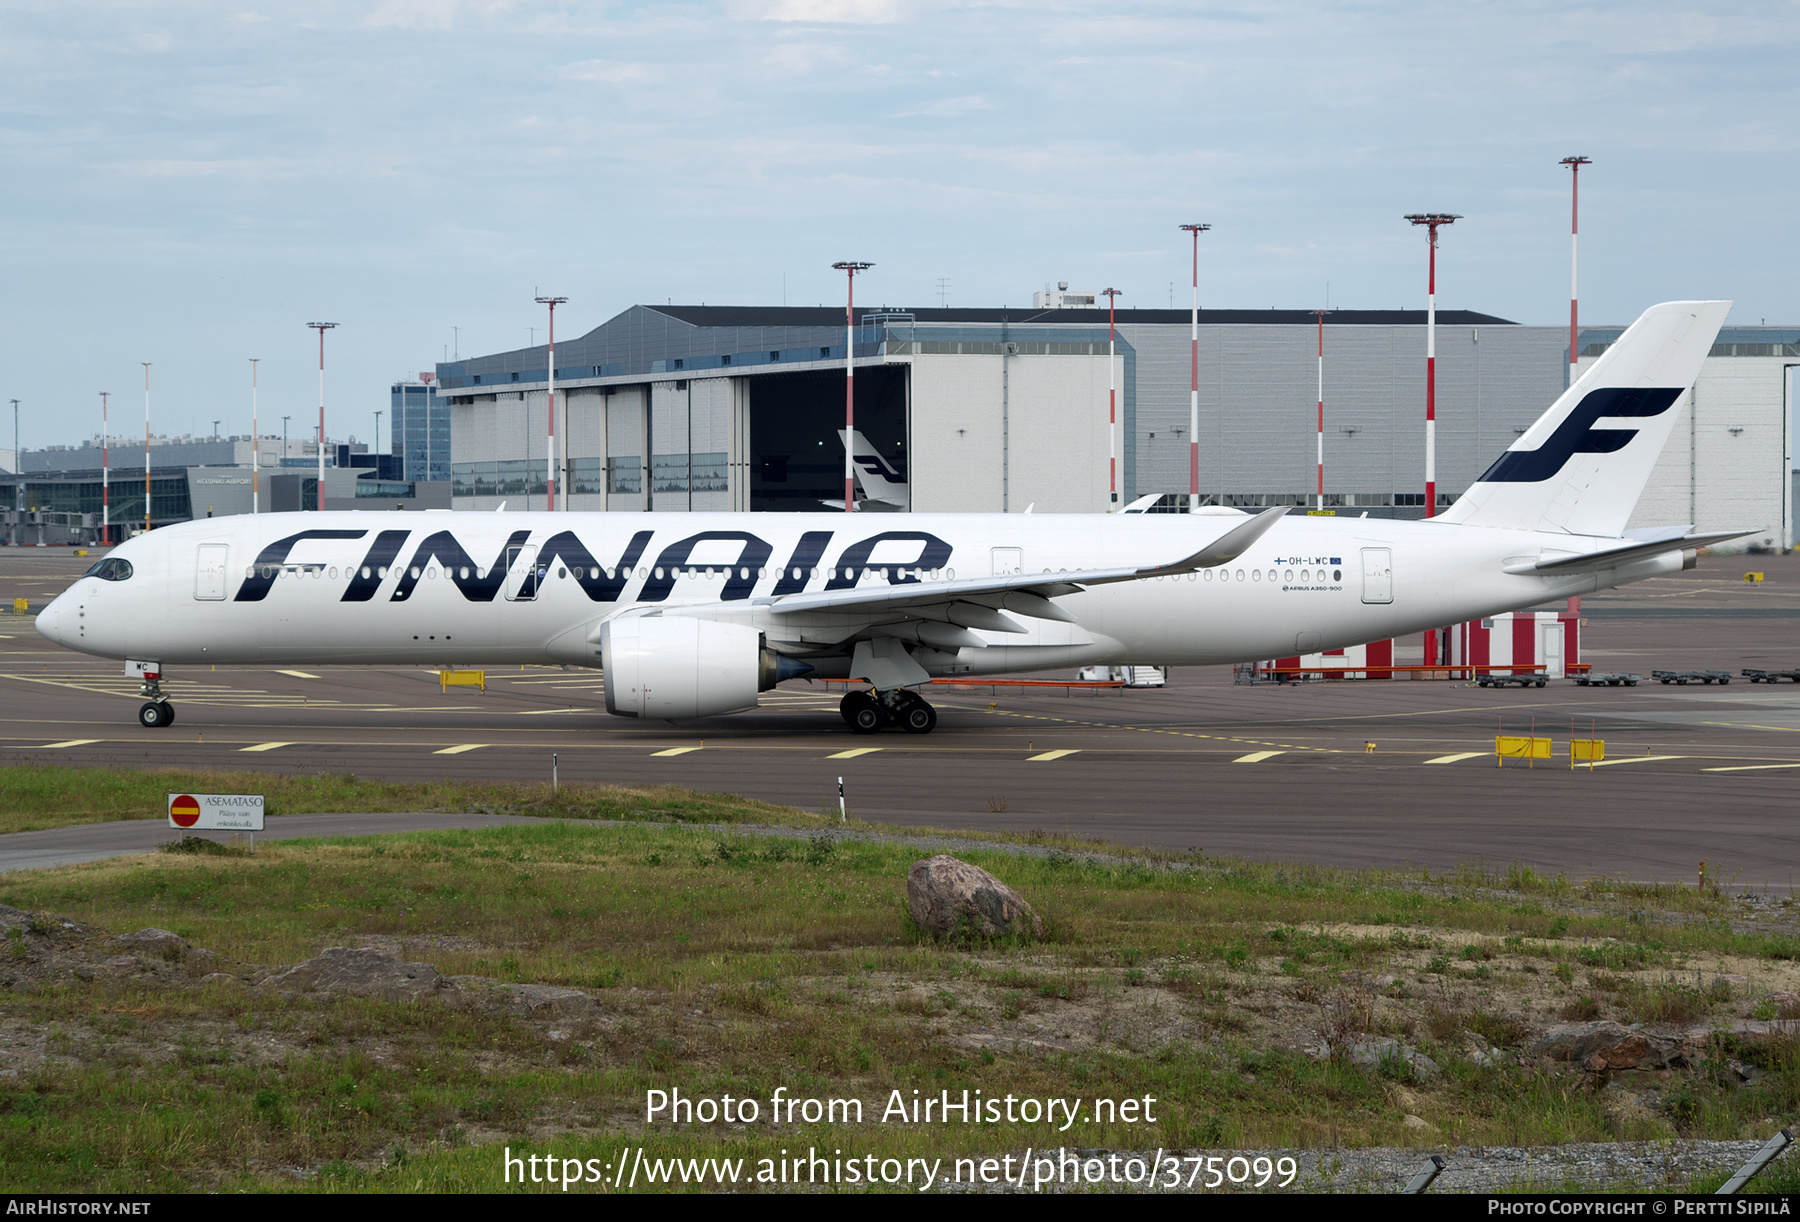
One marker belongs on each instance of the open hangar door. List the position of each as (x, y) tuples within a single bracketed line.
[(796, 460)]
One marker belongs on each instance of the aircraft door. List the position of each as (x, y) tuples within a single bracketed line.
[(523, 573), (1378, 575), (209, 571), (1008, 561)]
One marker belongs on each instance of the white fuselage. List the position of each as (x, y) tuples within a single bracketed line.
[(470, 589)]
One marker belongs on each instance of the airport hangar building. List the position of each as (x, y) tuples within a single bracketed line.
[(691, 408)]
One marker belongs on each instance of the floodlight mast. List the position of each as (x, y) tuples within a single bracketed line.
[(550, 444), (255, 454), (146, 365), (105, 501), (1431, 221), (321, 328), (1194, 379), (1112, 400), (850, 269), (1321, 503), (1574, 164)]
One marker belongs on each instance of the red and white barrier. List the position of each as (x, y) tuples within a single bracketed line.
[(1357, 662)]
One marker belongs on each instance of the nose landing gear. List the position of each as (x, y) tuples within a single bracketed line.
[(868, 712), (156, 712)]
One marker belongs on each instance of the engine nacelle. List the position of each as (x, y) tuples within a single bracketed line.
[(673, 667)]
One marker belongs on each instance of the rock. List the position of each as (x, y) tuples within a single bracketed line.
[(1371, 1053), (949, 897), (1606, 1045), (359, 973), (157, 942), (550, 997), (1415, 1122)]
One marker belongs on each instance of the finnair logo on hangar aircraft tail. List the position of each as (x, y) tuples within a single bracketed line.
[(1577, 433)]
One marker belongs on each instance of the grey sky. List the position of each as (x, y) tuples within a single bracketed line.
[(191, 183)]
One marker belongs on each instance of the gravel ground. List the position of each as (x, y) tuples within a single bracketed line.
[(1611, 1167)]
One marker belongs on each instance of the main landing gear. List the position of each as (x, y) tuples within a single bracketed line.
[(156, 713), (867, 712)]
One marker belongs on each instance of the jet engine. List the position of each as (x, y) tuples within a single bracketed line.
[(673, 667)]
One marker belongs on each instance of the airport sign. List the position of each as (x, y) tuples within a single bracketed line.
[(216, 812)]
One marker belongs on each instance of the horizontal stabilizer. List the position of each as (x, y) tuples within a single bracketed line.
[(1613, 557)]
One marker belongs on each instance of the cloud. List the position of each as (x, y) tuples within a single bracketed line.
[(430, 14), (951, 108), (827, 12), (611, 72)]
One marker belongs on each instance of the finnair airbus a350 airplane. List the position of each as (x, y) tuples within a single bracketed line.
[(693, 615)]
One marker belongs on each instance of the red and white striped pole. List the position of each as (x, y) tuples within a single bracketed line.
[(1321, 504), (1431, 220), (1574, 164), (550, 443), (1112, 401), (850, 269), (1194, 379)]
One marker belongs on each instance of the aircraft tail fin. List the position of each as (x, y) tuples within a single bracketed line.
[(1567, 472), (874, 474)]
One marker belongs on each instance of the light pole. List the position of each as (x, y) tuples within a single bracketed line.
[(550, 445), (284, 432), (215, 435), (146, 365), (1194, 380), (376, 448), (850, 269), (18, 478), (255, 455), (1112, 402), (1431, 221), (321, 328), (1321, 505), (105, 500), (1574, 164)]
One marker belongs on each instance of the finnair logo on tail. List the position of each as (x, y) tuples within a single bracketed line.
[(1577, 433)]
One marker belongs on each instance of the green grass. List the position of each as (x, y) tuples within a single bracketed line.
[(735, 963), (36, 796)]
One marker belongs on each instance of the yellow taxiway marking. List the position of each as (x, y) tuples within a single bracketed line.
[(1256, 757), (1459, 756), (73, 742), (265, 746), (1750, 767), (460, 748), (674, 751), (1638, 759), (1050, 755), (853, 752), (298, 674)]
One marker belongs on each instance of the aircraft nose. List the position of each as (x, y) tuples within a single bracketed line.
[(49, 620)]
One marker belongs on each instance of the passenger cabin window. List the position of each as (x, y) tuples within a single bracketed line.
[(111, 569)]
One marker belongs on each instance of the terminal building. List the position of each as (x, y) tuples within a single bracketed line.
[(694, 408)]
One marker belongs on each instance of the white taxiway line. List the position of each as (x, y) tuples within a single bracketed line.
[(1750, 768), (265, 746), (460, 748), (674, 751), (298, 674), (1257, 757), (1460, 755), (853, 753), (1638, 759), (73, 742)]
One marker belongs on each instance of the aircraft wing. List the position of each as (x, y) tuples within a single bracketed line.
[(1614, 556), (992, 590)]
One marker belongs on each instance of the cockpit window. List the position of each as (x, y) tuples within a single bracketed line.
[(111, 569)]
